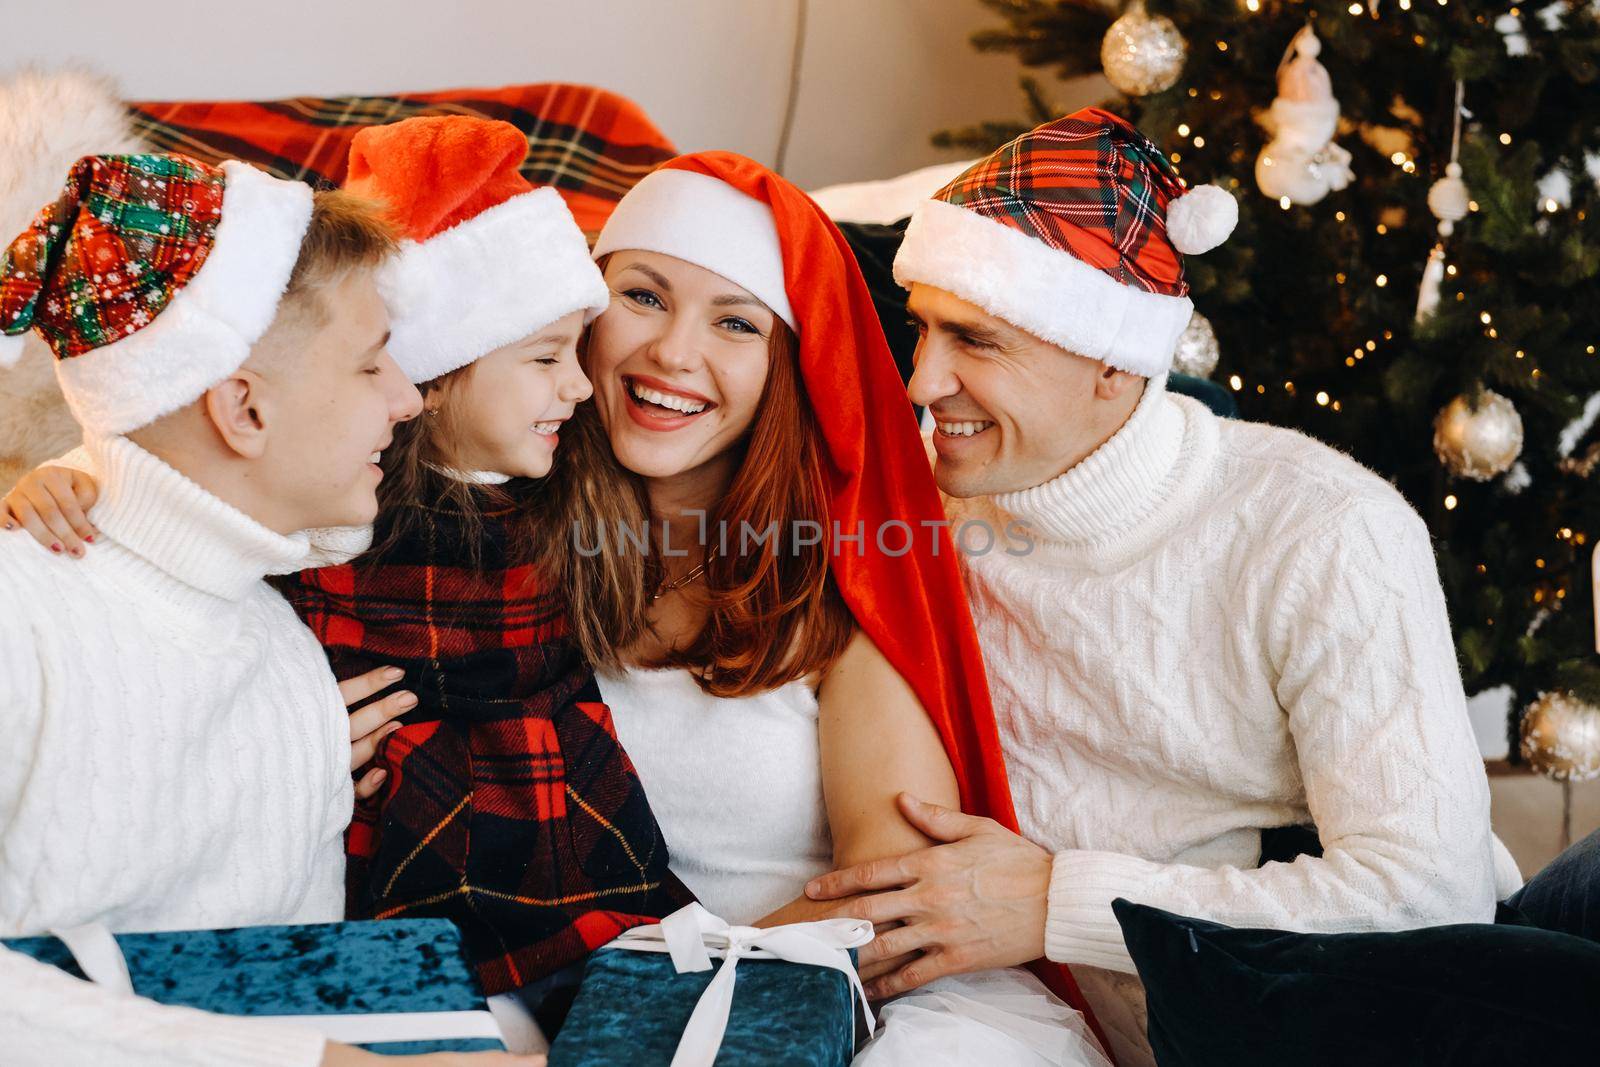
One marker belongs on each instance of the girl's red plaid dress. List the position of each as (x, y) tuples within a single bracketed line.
[(509, 806)]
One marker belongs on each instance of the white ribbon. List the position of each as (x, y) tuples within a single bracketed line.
[(98, 954), (691, 935), (101, 960)]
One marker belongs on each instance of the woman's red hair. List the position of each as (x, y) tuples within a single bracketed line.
[(773, 612)]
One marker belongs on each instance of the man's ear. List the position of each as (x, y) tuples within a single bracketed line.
[(235, 408), (1111, 383)]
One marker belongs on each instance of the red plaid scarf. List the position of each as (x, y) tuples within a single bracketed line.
[(510, 808)]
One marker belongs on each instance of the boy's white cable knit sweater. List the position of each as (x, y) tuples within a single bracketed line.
[(1225, 626), (176, 756)]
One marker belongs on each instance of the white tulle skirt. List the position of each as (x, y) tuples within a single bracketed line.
[(1001, 1017)]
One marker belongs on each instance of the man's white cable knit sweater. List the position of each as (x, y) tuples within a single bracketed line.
[(176, 757), (1225, 626)]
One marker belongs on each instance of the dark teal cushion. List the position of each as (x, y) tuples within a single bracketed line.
[(1448, 995), (632, 1008), (398, 965)]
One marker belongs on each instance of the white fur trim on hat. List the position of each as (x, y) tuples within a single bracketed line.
[(1052, 295), (206, 331), (488, 281), (707, 222), (11, 349)]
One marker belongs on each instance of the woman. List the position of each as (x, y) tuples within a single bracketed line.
[(777, 694)]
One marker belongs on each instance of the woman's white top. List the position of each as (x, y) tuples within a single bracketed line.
[(735, 783)]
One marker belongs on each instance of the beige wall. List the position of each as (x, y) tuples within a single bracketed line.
[(878, 75)]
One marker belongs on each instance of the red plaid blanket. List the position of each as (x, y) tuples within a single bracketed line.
[(592, 145)]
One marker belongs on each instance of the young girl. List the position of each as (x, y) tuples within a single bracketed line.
[(504, 801), (509, 807)]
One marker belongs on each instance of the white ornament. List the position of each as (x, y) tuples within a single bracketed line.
[(1197, 351), (1555, 187), (1450, 201), (1432, 283), (1142, 55), (1301, 162), (1478, 443), (1510, 27), (1578, 428)]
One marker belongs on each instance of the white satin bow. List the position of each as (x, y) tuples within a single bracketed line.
[(689, 935)]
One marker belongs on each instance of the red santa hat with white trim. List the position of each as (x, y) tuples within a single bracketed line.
[(151, 277), (1075, 233), (488, 259)]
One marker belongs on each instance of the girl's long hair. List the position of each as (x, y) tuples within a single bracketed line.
[(415, 486), (773, 612)]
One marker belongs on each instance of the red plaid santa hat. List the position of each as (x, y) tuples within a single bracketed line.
[(488, 258), (150, 278), (1073, 232)]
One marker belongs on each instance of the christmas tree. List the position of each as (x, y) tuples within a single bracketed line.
[(1314, 299)]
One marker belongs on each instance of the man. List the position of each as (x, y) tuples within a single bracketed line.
[(1219, 628), (178, 754)]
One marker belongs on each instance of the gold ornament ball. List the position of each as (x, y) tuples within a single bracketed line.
[(1197, 348), (1478, 444), (1142, 55), (1561, 737)]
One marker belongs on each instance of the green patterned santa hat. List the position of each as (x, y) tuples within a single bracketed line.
[(150, 277)]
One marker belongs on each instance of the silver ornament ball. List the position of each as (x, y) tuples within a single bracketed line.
[(1142, 55), (1561, 737), (1197, 348), (1478, 443)]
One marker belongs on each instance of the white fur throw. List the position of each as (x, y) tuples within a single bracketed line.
[(47, 120)]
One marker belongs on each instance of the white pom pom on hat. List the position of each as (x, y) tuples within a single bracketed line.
[(1201, 219)]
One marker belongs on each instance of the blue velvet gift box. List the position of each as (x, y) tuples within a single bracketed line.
[(633, 1006), (329, 969)]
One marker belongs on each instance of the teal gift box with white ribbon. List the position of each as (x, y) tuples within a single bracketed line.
[(395, 987), (696, 991)]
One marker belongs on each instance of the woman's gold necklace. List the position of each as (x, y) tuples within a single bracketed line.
[(689, 578)]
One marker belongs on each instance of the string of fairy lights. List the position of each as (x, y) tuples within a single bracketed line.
[(1477, 435), (1407, 164)]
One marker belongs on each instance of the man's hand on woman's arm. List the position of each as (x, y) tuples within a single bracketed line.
[(975, 901)]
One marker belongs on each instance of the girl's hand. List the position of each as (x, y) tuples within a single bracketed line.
[(372, 723), (52, 504)]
